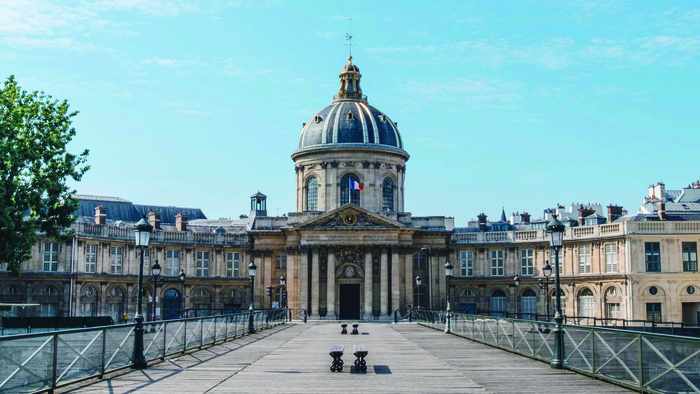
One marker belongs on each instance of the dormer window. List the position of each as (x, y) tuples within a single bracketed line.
[(317, 118), (350, 116), (383, 118)]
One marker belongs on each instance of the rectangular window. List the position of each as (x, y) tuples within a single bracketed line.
[(653, 311), (466, 258), (527, 267), (202, 264), (50, 256), (115, 266), (91, 258), (497, 259), (233, 265), (690, 256), (652, 251), (610, 257), (281, 261), (612, 310), (584, 259), (418, 260), (146, 261), (172, 262), (48, 310)]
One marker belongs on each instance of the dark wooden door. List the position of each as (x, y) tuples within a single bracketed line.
[(171, 304), (350, 302)]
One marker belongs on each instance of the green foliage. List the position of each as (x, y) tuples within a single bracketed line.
[(34, 165)]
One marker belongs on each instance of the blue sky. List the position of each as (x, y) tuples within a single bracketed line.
[(522, 103)]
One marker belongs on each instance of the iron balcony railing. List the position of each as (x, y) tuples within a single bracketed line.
[(46, 361), (651, 363)]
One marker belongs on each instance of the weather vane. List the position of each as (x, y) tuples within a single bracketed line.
[(349, 37)]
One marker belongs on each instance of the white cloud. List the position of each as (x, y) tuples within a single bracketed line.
[(192, 112), (149, 7), (165, 62), (47, 43), (465, 90)]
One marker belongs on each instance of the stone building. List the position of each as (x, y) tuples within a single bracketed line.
[(352, 251)]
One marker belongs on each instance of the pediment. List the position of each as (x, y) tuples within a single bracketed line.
[(349, 217)]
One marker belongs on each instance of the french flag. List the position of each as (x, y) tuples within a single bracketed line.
[(355, 185)]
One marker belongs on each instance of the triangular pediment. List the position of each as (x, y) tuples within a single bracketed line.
[(349, 216)]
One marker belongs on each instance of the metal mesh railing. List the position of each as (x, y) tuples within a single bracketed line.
[(654, 363), (45, 361)]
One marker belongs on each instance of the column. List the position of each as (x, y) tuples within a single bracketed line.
[(410, 280), (395, 278), (330, 284), (314, 283), (384, 282), (304, 278), (258, 294), (442, 279), (292, 278), (368, 284)]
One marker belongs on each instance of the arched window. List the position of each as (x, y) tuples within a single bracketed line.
[(312, 194), (498, 303), (346, 194), (387, 195), (528, 305), (586, 303)]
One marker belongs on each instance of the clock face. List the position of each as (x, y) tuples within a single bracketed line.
[(349, 272), (349, 219)]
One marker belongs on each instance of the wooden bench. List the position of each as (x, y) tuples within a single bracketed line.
[(360, 352), (354, 329), (345, 328), (337, 352)]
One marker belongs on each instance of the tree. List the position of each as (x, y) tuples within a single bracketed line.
[(34, 165)]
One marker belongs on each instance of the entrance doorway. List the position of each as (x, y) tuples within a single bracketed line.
[(350, 302), (171, 304)]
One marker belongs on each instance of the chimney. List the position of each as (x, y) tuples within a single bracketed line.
[(582, 213), (181, 222), (660, 191), (614, 212), (154, 220), (525, 217), (482, 221), (662, 210), (101, 215)]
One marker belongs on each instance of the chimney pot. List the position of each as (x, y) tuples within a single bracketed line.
[(101, 215), (154, 219), (181, 222)]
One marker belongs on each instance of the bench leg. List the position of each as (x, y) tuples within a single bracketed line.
[(337, 365), (360, 364)]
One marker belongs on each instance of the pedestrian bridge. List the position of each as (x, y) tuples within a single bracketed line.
[(293, 358)]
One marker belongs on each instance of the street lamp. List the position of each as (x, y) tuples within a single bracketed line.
[(556, 229), (142, 235), (252, 268), (283, 290), (419, 280), (516, 282), (544, 284), (157, 280), (448, 276), (182, 278)]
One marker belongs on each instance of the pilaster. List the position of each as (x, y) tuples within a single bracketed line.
[(395, 278), (314, 283), (384, 283), (330, 285), (368, 285)]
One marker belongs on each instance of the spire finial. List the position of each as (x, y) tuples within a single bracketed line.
[(349, 37)]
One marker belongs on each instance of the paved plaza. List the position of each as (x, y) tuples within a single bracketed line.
[(402, 358)]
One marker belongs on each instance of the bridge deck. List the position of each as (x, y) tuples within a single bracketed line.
[(402, 358)]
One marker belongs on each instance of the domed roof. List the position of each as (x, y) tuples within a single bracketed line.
[(350, 120)]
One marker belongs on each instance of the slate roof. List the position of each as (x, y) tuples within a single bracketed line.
[(119, 209)]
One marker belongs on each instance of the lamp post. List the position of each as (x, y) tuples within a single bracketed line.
[(555, 229), (157, 280), (182, 278), (516, 282), (251, 271), (419, 280), (426, 250), (283, 299), (544, 284), (142, 235), (448, 276)]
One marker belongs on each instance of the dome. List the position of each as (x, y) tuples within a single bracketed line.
[(350, 120)]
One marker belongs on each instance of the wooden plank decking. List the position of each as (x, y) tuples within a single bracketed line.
[(403, 358)]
